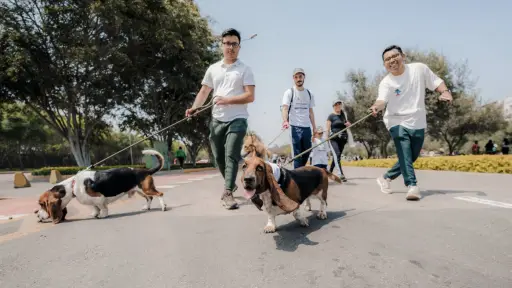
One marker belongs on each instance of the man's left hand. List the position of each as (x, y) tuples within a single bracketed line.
[(347, 124), (220, 100), (446, 96)]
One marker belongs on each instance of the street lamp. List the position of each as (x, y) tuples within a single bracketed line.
[(219, 37), (250, 38)]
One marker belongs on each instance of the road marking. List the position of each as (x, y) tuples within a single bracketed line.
[(485, 201), (166, 186), (7, 217), (184, 182)]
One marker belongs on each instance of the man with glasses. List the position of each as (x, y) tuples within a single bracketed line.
[(233, 85), (297, 112), (403, 90)]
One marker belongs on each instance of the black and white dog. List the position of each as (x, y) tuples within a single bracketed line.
[(99, 189)]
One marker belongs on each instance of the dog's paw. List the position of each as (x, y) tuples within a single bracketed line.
[(269, 229), (145, 208), (95, 214), (102, 215), (307, 208), (322, 215), (164, 208)]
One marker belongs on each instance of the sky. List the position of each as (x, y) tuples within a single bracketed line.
[(327, 38)]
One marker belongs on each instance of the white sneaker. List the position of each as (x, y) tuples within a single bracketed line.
[(385, 185), (413, 193)]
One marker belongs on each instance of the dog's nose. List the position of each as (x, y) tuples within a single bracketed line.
[(248, 179)]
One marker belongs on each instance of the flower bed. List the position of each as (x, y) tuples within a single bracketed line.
[(467, 163)]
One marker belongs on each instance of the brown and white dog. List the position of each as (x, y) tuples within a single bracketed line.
[(99, 189), (282, 191)]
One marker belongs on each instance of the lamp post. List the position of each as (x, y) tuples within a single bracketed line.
[(246, 39)]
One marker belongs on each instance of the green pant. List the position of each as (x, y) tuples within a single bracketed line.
[(408, 143), (226, 140)]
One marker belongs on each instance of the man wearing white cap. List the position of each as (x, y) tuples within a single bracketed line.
[(297, 113)]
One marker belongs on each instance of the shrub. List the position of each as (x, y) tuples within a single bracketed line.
[(72, 170), (469, 163)]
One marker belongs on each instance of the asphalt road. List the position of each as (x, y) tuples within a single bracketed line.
[(456, 236)]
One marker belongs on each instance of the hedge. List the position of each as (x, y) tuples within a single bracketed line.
[(72, 170), (466, 163)]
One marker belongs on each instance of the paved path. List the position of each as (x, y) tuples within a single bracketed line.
[(453, 237)]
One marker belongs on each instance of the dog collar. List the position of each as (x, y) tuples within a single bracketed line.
[(73, 187), (282, 177)]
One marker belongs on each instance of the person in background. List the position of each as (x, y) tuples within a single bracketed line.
[(505, 147), (297, 113), (402, 93), (489, 147), (336, 122), (475, 149), (181, 155), (319, 156)]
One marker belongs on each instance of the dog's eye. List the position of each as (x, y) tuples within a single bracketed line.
[(244, 166), (259, 168)]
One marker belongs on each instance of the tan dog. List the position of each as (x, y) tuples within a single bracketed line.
[(289, 192), (253, 143)]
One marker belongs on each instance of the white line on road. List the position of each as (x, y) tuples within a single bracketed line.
[(166, 187), (183, 182), (485, 201), (7, 217)]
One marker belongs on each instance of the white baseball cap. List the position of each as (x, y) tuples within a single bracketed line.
[(337, 101), (298, 70)]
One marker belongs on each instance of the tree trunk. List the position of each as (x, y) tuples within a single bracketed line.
[(80, 152), (20, 157)]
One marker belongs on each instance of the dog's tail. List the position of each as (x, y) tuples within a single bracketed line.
[(333, 177), (160, 158)]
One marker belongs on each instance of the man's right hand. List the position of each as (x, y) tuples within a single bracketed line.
[(190, 112), (286, 124), (374, 110)]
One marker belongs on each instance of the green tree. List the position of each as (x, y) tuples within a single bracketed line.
[(180, 47), (59, 61), (23, 132)]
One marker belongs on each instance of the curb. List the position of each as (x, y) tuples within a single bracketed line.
[(192, 170)]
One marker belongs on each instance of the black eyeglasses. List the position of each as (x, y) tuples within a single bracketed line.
[(232, 44)]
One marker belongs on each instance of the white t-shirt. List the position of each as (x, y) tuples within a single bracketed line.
[(405, 96), (299, 112), (319, 154), (228, 80)]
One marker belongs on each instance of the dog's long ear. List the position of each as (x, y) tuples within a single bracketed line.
[(277, 194)]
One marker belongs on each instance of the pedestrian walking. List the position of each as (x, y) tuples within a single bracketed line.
[(181, 155), (403, 90), (505, 146), (297, 113), (319, 155), (336, 122), (233, 85)]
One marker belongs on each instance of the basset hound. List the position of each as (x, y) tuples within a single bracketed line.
[(99, 189), (282, 191)]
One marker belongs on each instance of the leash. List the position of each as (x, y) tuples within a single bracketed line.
[(197, 111), (332, 136), (273, 140)]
